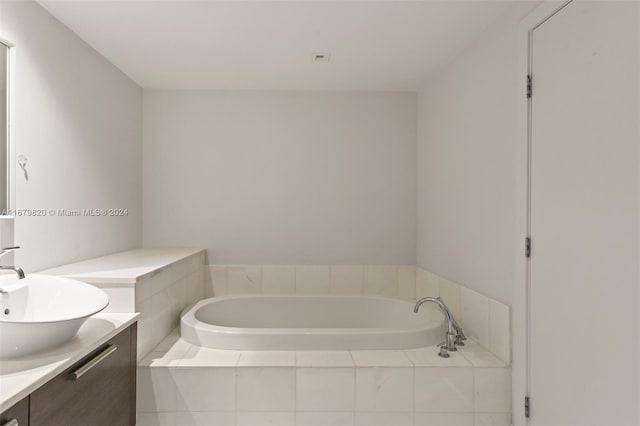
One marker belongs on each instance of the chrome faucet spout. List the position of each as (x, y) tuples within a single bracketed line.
[(445, 310), (15, 269), (18, 271), (454, 331)]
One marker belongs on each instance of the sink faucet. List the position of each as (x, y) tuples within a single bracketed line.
[(15, 269), (454, 334)]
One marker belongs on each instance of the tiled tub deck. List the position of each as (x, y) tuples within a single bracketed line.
[(185, 385)]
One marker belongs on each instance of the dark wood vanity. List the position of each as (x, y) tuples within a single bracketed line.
[(98, 390)]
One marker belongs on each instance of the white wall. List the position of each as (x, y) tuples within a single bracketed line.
[(79, 122), (281, 177), (4, 54), (466, 166)]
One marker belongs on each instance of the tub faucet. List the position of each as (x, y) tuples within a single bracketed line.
[(454, 331)]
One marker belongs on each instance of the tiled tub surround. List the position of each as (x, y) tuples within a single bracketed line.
[(184, 385), (158, 284), (485, 320)]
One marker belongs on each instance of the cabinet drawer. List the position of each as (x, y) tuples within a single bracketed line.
[(96, 391), (18, 413)]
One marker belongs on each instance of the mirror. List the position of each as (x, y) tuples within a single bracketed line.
[(4, 127)]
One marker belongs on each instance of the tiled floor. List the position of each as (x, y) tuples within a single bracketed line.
[(184, 385)]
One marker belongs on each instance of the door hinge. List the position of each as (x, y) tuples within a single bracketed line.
[(529, 87), (527, 247), (526, 407)]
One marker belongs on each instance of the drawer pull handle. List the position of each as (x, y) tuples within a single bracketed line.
[(94, 361), (10, 422)]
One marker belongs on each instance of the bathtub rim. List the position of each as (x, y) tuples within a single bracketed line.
[(193, 326), (188, 315)]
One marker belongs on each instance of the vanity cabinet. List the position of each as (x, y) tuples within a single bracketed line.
[(17, 415), (98, 390)]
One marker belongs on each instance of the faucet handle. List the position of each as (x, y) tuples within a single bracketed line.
[(444, 353), (459, 330), (7, 250)]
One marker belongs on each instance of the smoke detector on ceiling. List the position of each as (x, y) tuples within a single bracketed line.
[(321, 56)]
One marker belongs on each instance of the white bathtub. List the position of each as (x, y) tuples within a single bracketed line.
[(293, 322)]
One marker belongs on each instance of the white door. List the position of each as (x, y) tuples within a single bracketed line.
[(584, 216)]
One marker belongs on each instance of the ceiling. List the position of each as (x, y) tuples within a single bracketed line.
[(268, 45)]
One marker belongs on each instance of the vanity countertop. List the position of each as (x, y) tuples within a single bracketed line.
[(124, 267), (22, 376)]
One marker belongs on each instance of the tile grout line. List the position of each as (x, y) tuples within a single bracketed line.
[(235, 378), (473, 388), (415, 393), (355, 388)]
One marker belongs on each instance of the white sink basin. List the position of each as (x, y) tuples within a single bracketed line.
[(42, 311)]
